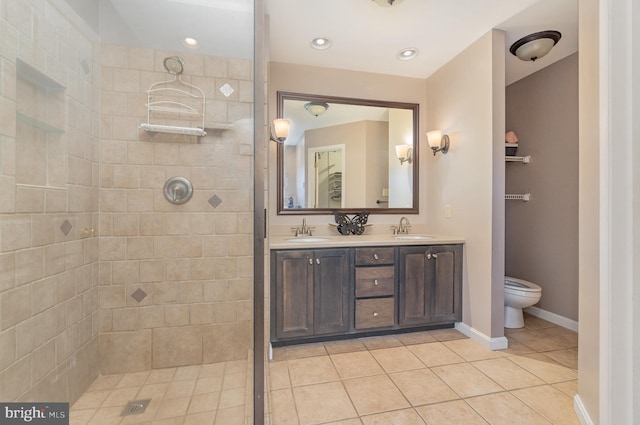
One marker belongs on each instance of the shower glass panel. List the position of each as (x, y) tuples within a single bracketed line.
[(120, 302)]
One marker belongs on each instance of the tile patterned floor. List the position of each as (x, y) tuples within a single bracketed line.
[(209, 394), (433, 378)]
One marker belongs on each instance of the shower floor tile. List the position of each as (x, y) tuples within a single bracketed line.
[(209, 394)]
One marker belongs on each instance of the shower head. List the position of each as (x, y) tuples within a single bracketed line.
[(174, 65)]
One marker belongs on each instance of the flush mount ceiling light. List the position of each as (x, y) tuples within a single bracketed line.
[(321, 43), (407, 54), (316, 108), (536, 45), (387, 3)]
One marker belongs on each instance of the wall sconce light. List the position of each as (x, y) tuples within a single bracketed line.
[(316, 108), (281, 128), (438, 142), (536, 45), (404, 153)]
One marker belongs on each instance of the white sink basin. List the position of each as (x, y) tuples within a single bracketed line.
[(413, 237), (303, 239)]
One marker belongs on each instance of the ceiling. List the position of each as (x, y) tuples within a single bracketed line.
[(365, 36)]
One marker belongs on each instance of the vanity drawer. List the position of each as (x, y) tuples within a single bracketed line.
[(374, 313), (373, 256), (374, 281)]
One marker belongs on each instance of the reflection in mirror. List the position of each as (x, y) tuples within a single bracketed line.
[(341, 156)]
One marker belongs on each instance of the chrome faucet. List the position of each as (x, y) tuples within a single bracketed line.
[(402, 228), (303, 230)]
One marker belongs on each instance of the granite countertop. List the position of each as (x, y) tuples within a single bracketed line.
[(337, 241)]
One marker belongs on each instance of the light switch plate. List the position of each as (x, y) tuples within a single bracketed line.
[(447, 211)]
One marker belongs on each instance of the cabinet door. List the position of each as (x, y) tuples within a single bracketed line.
[(430, 279), (446, 261), (331, 291), (293, 293), (414, 286)]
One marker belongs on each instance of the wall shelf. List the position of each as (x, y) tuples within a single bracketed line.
[(36, 123), (157, 128), (168, 101), (523, 159), (525, 197)]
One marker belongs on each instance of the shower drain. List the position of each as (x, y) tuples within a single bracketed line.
[(135, 407)]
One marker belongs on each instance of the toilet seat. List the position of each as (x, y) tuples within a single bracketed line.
[(519, 285)]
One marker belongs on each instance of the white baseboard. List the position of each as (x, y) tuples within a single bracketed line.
[(581, 412), (500, 343), (553, 318)]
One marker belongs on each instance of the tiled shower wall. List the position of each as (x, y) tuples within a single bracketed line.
[(175, 281), (49, 86), (67, 273)]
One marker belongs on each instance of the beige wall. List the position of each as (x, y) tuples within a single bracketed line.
[(49, 186), (193, 261), (400, 175), (542, 234), (465, 99), (635, 308), (609, 99), (589, 208), (377, 162)]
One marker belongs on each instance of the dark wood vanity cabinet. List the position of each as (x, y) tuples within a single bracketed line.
[(311, 292), (326, 292), (429, 284)]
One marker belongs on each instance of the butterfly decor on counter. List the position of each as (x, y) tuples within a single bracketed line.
[(351, 226)]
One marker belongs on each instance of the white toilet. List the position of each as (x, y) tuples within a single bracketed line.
[(518, 294)]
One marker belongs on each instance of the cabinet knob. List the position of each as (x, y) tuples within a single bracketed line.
[(430, 256), (375, 282), (310, 261), (375, 256), (317, 261), (375, 314)]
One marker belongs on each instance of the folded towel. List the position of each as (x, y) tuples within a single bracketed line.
[(510, 137)]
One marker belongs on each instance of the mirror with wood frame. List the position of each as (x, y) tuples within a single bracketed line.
[(347, 155)]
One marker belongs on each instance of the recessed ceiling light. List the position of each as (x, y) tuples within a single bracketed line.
[(321, 43), (387, 3), (190, 42), (407, 54)]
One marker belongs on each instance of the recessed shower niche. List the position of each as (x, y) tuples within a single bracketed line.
[(40, 122)]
